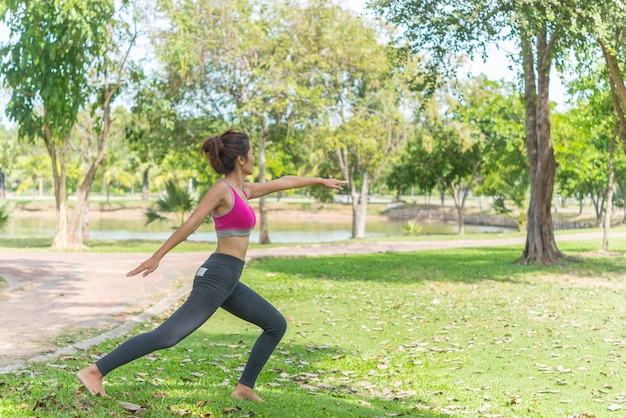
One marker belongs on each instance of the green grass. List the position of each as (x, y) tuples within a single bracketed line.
[(464, 332)]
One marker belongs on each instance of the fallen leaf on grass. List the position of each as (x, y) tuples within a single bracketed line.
[(131, 406), (181, 412), (366, 385), (421, 407), (230, 410), (404, 394), (614, 407), (326, 386), (562, 369), (486, 407)]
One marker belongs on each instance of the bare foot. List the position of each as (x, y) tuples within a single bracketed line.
[(246, 393), (91, 378)]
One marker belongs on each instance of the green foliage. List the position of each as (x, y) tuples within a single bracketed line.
[(4, 215), (448, 151), (582, 138), (46, 63), (497, 112), (412, 228), (176, 200)]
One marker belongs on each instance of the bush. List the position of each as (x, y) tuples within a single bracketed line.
[(412, 228)]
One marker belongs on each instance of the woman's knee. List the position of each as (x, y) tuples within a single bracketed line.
[(279, 326)]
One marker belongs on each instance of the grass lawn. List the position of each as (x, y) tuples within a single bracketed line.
[(464, 332)]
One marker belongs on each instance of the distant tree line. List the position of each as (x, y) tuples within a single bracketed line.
[(113, 98)]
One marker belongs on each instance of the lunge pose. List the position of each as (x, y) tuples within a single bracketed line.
[(216, 283)]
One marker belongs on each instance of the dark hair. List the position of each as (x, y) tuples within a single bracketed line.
[(222, 151)]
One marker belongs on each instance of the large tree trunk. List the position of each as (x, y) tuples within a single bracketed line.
[(540, 243)]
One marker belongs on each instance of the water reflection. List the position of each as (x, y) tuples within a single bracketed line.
[(281, 230)]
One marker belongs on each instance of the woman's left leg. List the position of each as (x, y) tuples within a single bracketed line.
[(246, 304)]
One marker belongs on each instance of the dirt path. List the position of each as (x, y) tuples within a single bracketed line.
[(51, 293)]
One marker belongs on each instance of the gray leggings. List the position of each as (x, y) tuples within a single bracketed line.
[(216, 285)]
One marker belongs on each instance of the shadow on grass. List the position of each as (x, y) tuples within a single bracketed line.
[(467, 265), (462, 265)]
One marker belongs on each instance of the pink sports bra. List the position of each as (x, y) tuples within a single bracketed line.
[(240, 219)]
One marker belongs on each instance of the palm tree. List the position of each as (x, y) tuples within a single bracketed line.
[(177, 200)]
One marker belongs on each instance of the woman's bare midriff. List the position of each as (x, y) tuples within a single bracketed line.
[(235, 246)]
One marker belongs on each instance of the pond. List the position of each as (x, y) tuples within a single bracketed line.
[(281, 230)]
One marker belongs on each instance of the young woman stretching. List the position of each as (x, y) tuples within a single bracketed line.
[(216, 283)]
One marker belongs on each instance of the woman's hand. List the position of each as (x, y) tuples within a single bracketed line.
[(333, 183), (146, 267)]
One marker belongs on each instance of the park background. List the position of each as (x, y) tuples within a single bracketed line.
[(106, 105)]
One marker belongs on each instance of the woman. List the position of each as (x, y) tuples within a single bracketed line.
[(216, 283)]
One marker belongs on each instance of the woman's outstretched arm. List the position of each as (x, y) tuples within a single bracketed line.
[(254, 190)]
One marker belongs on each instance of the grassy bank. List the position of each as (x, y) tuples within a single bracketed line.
[(464, 332)]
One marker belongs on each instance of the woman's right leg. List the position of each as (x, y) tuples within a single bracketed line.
[(192, 314), (213, 283)]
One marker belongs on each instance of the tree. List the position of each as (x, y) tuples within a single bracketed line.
[(177, 201), (587, 135), (446, 152), (582, 145), (361, 145), (63, 57), (543, 30), (496, 110), (274, 69), (231, 59), (368, 107)]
